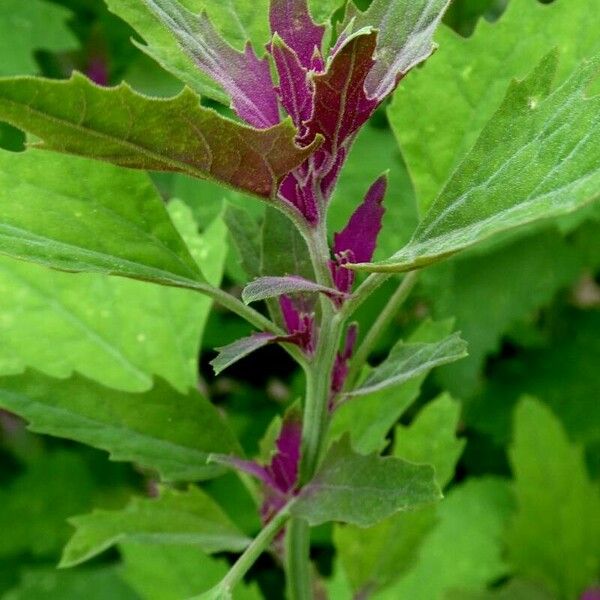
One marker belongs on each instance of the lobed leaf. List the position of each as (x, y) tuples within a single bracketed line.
[(131, 427), (363, 490), (409, 360), (120, 126), (548, 165), (190, 518)]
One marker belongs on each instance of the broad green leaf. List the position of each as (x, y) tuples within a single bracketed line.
[(190, 518), (120, 126), (369, 418), (131, 427), (408, 360), (51, 203), (35, 507), (103, 583), (513, 590), (464, 549), (245, 236), (564, 374), (439, 111), (555, 534), (549, 165), (363, 490), (115, 331), (29, 26), (526, 274), (377, 556), (322, 10), (174, 572), (431, 438)]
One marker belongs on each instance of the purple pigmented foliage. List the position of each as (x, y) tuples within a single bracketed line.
[(292, 21), (340, 369), (299, 324), (591, 594), (358, 240), (295, 87), (245, 77), (97, 70)]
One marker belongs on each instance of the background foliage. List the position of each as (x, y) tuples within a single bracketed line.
[(513, 430)]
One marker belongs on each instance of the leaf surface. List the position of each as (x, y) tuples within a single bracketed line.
[(272, 287), (189, 517), (439, 111), (120, 126), (363, 490), (131, 427), (548, 166), (408, 360)]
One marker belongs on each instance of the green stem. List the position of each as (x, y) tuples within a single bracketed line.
[(243, 564), (297, 563), (383, 321)]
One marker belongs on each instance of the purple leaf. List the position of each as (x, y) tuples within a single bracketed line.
[(298, 188), (591, 594), (340, 369), (272, 287), (292, 21), (245, 77), (295, 87), (246, 466), (299, 324), (359, 237), (228, 355)]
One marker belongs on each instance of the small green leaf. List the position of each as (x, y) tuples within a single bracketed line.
[(120, 126), (431, 438), (131, 427), (29, 26), (548, 166), (408, 360), (363, 490), (555, 535), (190, 518)]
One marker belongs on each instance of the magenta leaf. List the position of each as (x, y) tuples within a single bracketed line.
[(295, 87), (340, 369), (292, 21), (591, 594), (245, 77), (272, 287), (299, 322)]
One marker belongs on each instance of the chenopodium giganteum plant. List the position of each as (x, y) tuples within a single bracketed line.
[(299, 108)]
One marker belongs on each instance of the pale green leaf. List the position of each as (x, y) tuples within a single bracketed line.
[(115, 331), (409, 360), (439, 111), (120, 126), (29, 26), (363, 490), (131, 427), (465, 548), (555, 535), (548, 164), (175, 572), (190, 518)]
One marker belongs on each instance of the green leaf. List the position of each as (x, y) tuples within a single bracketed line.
[(123, 127), (245, 236), (173, 572), (29, 26), (35, 507), (369, 418), (465, 548), (115, 331), (431, 438), (131, 427), (190, 518), (322, 10), (546, 167), (513, 590), (527, 273), (408, 360), (93, 584), (363, 490), (439, 111), (50, 203), (555, 535), (377, 556)]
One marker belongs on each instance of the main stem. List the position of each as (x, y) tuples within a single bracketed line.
[(316, 415)]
